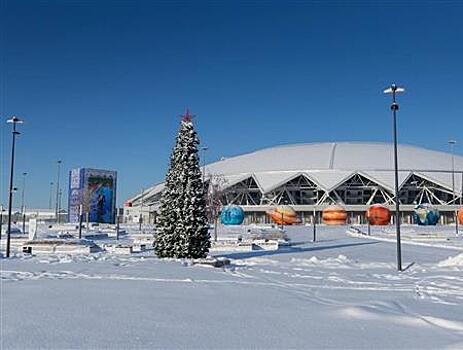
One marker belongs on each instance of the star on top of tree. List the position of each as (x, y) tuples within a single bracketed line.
[(187, 117)]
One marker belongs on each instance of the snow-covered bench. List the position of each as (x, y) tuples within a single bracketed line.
[(265, 245), (59, 246), (142, 238), (224, 246), (119, 249)]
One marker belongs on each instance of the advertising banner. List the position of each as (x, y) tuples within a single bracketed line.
[(95, 190)]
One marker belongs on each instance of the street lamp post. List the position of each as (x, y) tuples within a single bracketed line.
[(282, 215), (59, 204), (282, 221), (203, 152), (24, 220), (314, 224), (394, 89), (23, 191), (50, 198), (117, 224), (314, 218), (23, 207), (452, 151), (57, 190), (1, 220), (80, 220), (140, 221), (14, 120), (461, 192)]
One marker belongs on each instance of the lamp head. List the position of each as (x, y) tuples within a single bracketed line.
[(14, 120), (393, 89)]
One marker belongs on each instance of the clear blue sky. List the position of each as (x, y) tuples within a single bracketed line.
[(100, 83)]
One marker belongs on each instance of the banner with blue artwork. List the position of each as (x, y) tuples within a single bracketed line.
[(95, 191)]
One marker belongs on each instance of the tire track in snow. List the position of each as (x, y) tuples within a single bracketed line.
[(16, 276)]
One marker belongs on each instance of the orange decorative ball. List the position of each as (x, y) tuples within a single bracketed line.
[(378, 215), (460, 216), (283, 215), (334, 215)]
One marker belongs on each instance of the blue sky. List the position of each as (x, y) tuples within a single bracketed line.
[(101, 83)]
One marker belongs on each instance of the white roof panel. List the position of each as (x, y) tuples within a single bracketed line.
[(443, 179), (230, 180), (386, 178), (270, 180), (329, 179)]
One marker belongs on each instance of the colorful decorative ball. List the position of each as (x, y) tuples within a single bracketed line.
[(425, 214), (334, 215), (460, 216), (283, 215), (378, 215), (232, 215)]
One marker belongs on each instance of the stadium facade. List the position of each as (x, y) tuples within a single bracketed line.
[(310, 177)]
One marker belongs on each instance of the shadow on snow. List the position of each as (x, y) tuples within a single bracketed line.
[(288, 250)]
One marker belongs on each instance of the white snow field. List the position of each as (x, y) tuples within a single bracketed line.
[(340, 292)]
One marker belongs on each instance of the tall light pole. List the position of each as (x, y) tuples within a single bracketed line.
[(59, 204), (51, 195), (57, 190), (394, 89), (140, 221), (23, 191), (23, 207), (203, 152), (461, 192), (282, 215), (14, 120), (452, 151), (314, 221), (1, 220)]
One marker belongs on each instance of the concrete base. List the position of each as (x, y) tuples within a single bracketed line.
[(119, 249), (248, 246), (112, 232), (142, 238), (139, 248), (226, 246), (15, 243), (265, 245), (95, 235), (212, 262), (57, 246)]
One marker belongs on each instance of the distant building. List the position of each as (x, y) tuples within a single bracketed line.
[(310, 177), (93, 190), (39, 214)]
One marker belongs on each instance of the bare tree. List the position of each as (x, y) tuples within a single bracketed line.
[(86, 202), (215, 189)]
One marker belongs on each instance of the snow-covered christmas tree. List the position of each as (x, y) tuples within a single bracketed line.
[(182, 222)]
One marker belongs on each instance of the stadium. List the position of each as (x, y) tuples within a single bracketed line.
[(311, 177)]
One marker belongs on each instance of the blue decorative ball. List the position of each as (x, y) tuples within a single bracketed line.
[(426, 214), (232, 215)]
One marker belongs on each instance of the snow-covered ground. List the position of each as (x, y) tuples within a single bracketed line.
[(340, 292), (435, 236)]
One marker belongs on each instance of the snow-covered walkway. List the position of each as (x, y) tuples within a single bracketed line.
[(339, 292)]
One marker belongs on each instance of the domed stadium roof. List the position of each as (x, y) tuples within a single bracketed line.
[(330, 164), (335, 155)]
